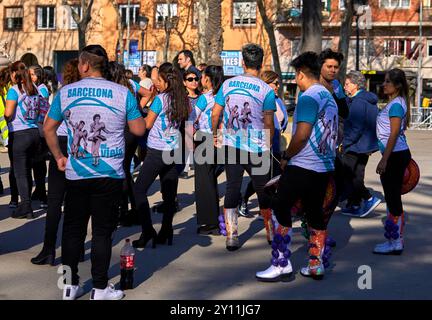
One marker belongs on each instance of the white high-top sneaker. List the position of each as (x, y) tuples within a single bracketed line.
[(280, 268), (394, 235), (109, 293), (72, 292)]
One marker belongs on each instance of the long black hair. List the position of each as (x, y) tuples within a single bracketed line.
[(216, 75), (51, 78), (398, 78), (117, 74), (177, 99)]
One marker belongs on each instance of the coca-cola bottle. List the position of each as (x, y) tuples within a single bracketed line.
[(127, 266)]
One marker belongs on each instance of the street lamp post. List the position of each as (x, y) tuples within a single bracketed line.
[(143, 22), (358, 11)]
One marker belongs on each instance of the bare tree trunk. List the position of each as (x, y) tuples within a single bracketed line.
[(270, 29), (168, 27), (344, 37), (311, 26), (120, 31), (83, 21), (203, 13), (214, 30)]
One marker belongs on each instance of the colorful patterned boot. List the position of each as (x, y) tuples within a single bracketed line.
[(267, 214), (315, 267), (232, 241)]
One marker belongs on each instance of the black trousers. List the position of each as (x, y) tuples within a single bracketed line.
[(301, 184), (354, 165), (234, 175), (276, 170), (131, 144), (392, 180), (40, 170), (99, 199), (24, 149), (153, 166), (12, 181), (206, 188), (56, 195)]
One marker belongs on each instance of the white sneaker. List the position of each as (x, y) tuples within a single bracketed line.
[(392, 247), (274, 274), (72, 292), (109, 293)]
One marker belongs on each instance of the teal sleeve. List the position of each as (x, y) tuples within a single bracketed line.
[(396, 110), (156, 105), (202, 102), (136, 85), (270, 101), (44, 92), (132, 111), (55, 109), (12, 95), (338, 90), (307, 109), (220, 98)]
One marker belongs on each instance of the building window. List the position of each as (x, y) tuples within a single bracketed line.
[(353, 47), (46, 18), (295, 47), (244, 13), (162, 13), (395, 4), (14, 18), (76, 9), (134, 12), (400, 47), (341, 4), (195, 12), (429, 48)]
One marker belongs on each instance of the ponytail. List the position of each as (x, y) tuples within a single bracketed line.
[(216, 75), (22, 78)]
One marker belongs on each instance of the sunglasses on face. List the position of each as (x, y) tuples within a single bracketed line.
[(192, 79)]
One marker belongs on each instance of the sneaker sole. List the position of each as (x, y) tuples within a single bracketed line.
[(390, 253), (281, 278), (370, 210), (315, 277)]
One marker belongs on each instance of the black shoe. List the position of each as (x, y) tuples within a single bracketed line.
[(1, 187), (23, 211), (184, 175), (144, 238), (165, 235), (44, 257), (209, 229)]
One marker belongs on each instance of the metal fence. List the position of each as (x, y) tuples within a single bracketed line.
[(421, 118)]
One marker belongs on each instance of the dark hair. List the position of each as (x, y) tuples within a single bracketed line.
[(71, 72), (253, 56), (22, 78), (188, 54), (5, 80), (96, 116), (117, 74), (330, 54), (195, 72), (307, 62), (269, 76), (51, 78), (147, 69), (40, 74), (398, 78), (129, 73), (216, 75), (178, 100), (97, 57)]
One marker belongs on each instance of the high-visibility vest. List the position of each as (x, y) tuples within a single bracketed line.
[(4, 131)]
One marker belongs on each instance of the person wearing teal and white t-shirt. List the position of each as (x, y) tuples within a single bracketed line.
[(247, 105), (39, 163), (22, 113), (96, 112), (307, 167), (392, 121), (206, 187), (167, 113)]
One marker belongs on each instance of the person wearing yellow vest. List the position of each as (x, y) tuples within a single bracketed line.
[(4, 86)]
